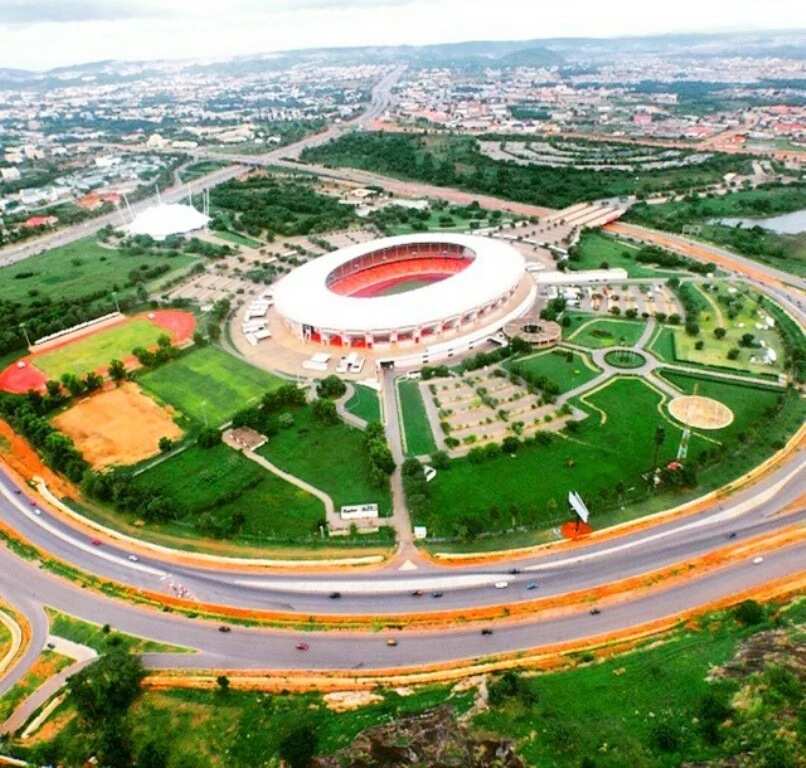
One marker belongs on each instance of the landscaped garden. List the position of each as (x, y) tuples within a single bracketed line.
[(568, 369), (600, 332), (625, 358)]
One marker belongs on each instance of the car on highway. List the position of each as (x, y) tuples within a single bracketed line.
[(37, 511), (758, 560), (134, 558), (335, 595), (391, 642), (95, 542), (417, 593), (302, 646), (436, 595), (501, 584), (224, 628), (531, 585), (486, 631), (595, 611)]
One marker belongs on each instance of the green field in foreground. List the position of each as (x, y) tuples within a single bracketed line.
[(556, 366), (218, 492), (417, 430), (599, 332), (78, 269), (364, 403), (531, 488), (331, 457), (99, 349), (661, 705), (94, 636), (209, 385)]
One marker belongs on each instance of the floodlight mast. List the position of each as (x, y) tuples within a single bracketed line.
[(579, 508)]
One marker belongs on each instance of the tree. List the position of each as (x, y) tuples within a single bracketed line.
[(299, 747), (165, 444), (325, 411), (660, 436), (152, 755), (106, 688), (93, 381), (331, 387), (720, 333), (117, 371), (209, 437), (223, 683)]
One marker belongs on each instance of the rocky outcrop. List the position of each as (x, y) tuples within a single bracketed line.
[(434, 738)]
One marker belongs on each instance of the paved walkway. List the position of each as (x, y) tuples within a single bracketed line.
[(16, 640), (344, 414)]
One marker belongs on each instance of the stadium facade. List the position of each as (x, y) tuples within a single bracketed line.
[(401, 292)]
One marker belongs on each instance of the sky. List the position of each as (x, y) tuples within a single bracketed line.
[(41, 34)]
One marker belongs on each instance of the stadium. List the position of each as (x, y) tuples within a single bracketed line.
[(401, 292)]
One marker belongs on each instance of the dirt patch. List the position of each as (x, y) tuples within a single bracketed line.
[(180, 325), (118, 427), (24, 460), (701, 412), (345, 701)]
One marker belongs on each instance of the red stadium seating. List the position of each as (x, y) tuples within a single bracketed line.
[(376, 279)]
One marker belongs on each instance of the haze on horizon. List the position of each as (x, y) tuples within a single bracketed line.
[(42, 34)]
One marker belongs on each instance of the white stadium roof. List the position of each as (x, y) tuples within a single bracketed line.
[(303, 296), (166, 219)]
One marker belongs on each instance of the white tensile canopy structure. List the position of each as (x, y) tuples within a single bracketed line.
[(165, 219)]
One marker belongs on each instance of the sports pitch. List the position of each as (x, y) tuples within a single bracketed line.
[(209, 385), (98, 350)]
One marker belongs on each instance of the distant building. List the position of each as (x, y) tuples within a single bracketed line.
[(40, 221)]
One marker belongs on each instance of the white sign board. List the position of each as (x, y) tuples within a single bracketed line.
[(575, 500), (359, 512)]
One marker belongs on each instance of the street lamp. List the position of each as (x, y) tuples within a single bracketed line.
[(25, 333)]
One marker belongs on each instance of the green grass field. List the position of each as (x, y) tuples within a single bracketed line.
[(600, 332), (417, 430), (715, 351), (80, 268), (209, 385), (99, 349), (364, 403), (598, 251), (532, 488), (237, 239), (555, 366), (748, 403), (662, 344), (93, 636), (222, 483), (330, 457)]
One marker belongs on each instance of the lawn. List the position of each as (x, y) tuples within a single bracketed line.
[(46, 665), (238, 239), (244, 729), (600, 332), (416, 429), (662, 344), (532, 487), (364, 403), (94, 636), (209, 385), (330, 457), (749, 403), (78, 269), (568, 369), (99, 349), (617, 709), (220, 492), (598, 251), (742, 317)]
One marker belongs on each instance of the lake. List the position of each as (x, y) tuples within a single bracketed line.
[(784, 224)]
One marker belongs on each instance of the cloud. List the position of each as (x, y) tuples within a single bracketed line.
[(63, 11)]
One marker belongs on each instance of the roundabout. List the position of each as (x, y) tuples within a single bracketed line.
[(625, 358)]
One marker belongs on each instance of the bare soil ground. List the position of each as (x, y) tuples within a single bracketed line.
[(117, 427)]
